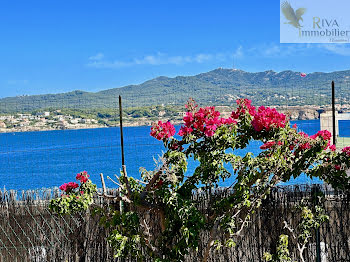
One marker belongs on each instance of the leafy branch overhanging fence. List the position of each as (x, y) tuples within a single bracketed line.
[(29, 231)]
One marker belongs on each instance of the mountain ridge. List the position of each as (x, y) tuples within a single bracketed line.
[(216, 87)]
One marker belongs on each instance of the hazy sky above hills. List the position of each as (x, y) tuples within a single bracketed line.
[(59, 46)]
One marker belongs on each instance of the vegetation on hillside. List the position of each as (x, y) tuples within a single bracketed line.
[(217, 87)]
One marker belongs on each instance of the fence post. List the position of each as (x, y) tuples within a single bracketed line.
[(333, 115), (122, 147)]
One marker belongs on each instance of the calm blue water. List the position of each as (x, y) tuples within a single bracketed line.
[(49, 158)]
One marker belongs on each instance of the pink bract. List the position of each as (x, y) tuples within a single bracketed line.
[(325, 134), (267, 118), (83, 177), (162, 130), (346, 150), (243, 106), (268, 145), (204, 121), (67, 187)]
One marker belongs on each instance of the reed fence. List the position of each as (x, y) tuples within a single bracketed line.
[(30, 232)]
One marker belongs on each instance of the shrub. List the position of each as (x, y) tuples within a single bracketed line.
[(212, 141)]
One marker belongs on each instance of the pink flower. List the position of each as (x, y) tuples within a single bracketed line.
[(188, 119), (210, 130), (325, 134), (227, 121), (191, 105), (67, 187), (63, 187), (346, 150), (332, 148), (267, 118), (159, 183), (185, 131), (268, 145), (337, 167), (244, 105), (162, 130), (295, 126), (203, 122), (303, 134), (83, 177), (72, 185), (305, 146), (176, 146)]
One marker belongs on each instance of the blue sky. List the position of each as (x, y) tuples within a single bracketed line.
[(59, 46)]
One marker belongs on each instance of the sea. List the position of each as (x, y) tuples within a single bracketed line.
[(47, 159)]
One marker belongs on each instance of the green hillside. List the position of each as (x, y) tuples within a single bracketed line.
[(217, 87)]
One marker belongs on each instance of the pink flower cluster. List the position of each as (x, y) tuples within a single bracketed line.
[(266, 118), (162, 130), (346, 150), (205, 120), (83, 177), (243, 105), (337, 167), (176, 146), (268, 145), (191, 105), (67, 187), (303, 134), (332, 148), (305, 146), (325, 134)]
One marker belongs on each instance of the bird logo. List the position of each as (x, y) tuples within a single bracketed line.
[(292, 16)]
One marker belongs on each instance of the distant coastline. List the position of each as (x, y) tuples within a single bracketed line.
[(57, 120)]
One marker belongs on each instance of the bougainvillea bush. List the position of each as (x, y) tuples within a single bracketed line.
[(212, 140), (75, 197)]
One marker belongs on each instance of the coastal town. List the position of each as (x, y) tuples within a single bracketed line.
[(44, 121), (61, 120)]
